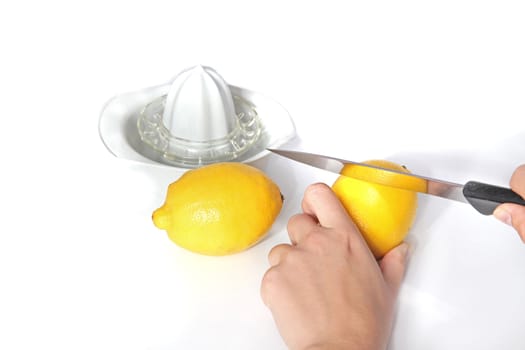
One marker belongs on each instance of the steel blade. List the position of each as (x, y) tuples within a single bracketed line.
[(435, 187)]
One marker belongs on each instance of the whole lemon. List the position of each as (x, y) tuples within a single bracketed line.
[(383, 214), (219, 209)]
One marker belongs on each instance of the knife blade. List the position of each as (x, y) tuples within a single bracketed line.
[(483, 197)]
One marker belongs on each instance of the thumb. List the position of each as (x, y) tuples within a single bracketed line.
[(393, 266), (513, 215)]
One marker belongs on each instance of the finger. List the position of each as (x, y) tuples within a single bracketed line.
[(513, 215), (300, 226), (393, 266), (321, 202), (278, 253), (268, 285), (517, 181)]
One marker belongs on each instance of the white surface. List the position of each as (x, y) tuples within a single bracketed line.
[(439, 87)]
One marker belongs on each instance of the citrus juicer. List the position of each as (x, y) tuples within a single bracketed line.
[(196, 119)]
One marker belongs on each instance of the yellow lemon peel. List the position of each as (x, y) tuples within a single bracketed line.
[(384, 214), (219, 209)]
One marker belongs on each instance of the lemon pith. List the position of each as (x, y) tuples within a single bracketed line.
[(219, 209), (383, 214)]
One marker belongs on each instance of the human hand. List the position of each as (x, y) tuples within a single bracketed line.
[(514, 214), (326, 290)]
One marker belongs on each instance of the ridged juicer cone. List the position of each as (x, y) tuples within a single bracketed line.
[(199, 121)]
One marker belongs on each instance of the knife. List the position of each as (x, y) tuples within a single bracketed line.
[(483, 197)]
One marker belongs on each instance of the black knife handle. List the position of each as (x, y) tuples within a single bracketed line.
[(485, 198)]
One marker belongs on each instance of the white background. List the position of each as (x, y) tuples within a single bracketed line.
[(438, 86)]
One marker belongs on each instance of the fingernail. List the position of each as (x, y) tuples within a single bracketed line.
[(404, 250), (411, 248), (503, 216)]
